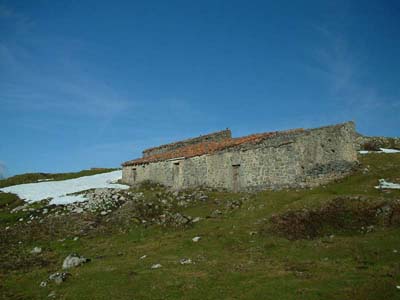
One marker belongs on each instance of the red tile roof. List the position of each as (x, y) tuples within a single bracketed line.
[(213, 135), (208, 147)]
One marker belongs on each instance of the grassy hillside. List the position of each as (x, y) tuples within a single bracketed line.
[(35, 177), (268, 245)]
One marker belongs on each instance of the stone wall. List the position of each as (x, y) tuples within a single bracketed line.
[(376, 142), (299, 159), (215, 137)]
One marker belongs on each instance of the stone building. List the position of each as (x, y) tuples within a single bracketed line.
[(285, 159)]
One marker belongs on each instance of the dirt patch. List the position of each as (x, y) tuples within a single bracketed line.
[(341, 214)]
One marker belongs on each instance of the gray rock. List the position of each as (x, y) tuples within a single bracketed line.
[(74, 260), (216, 213), (59, 278), (78, 210), (196, 239), (36, 250), (185, 261), (156, 266), (197, 219)]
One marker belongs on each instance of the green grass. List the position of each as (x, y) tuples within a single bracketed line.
[(34, 177), (233, 260)]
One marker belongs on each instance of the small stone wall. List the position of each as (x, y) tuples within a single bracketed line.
[(373, 143), (212, 137), (298, 159)]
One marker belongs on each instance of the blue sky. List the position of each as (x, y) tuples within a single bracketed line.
[(92, 83)]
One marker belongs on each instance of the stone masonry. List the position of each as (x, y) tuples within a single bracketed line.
[(287, 159)]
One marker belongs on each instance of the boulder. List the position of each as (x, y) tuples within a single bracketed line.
[(74, 260)]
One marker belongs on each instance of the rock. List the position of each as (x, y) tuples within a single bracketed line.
[(203, 198), (76, 238), (103, 213), (216, 213), (234, 204), (143, 257), (59, 278), (196, 239), (36, 250), (156, 266), (52, 294), (185, 261), (74, 260), (78, 210), (197, 219)]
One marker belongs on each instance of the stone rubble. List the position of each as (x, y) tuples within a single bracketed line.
[(159, 209)]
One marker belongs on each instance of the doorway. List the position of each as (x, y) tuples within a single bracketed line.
[(134, 174), (175, 174), (235, 178)]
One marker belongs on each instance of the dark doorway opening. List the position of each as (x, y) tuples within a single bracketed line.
[(175, 174), (235, 178), (134, 174)]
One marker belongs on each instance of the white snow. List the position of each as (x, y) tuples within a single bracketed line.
[(383, 184), (57, 190), (389, 150), (382, 150)]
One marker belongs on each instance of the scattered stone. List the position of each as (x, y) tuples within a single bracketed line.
[(43, 284), (156, 266), (78, 210), (195, 220), (143, 257), (196, 239), (36, 250), (103, 213), (76, 238), (52, 294), (216, 213), (185, 261), (59, 278), (74, 260)]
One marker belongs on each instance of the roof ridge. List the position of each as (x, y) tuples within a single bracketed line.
[(208, 147)]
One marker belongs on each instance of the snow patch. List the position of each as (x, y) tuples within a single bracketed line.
[(382, 150), (389, 150), (58, 190), (383, 184)]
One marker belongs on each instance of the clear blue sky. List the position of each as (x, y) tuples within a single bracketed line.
[(91, 83)]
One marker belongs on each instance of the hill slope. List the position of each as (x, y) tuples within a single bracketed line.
[(269, 245)]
